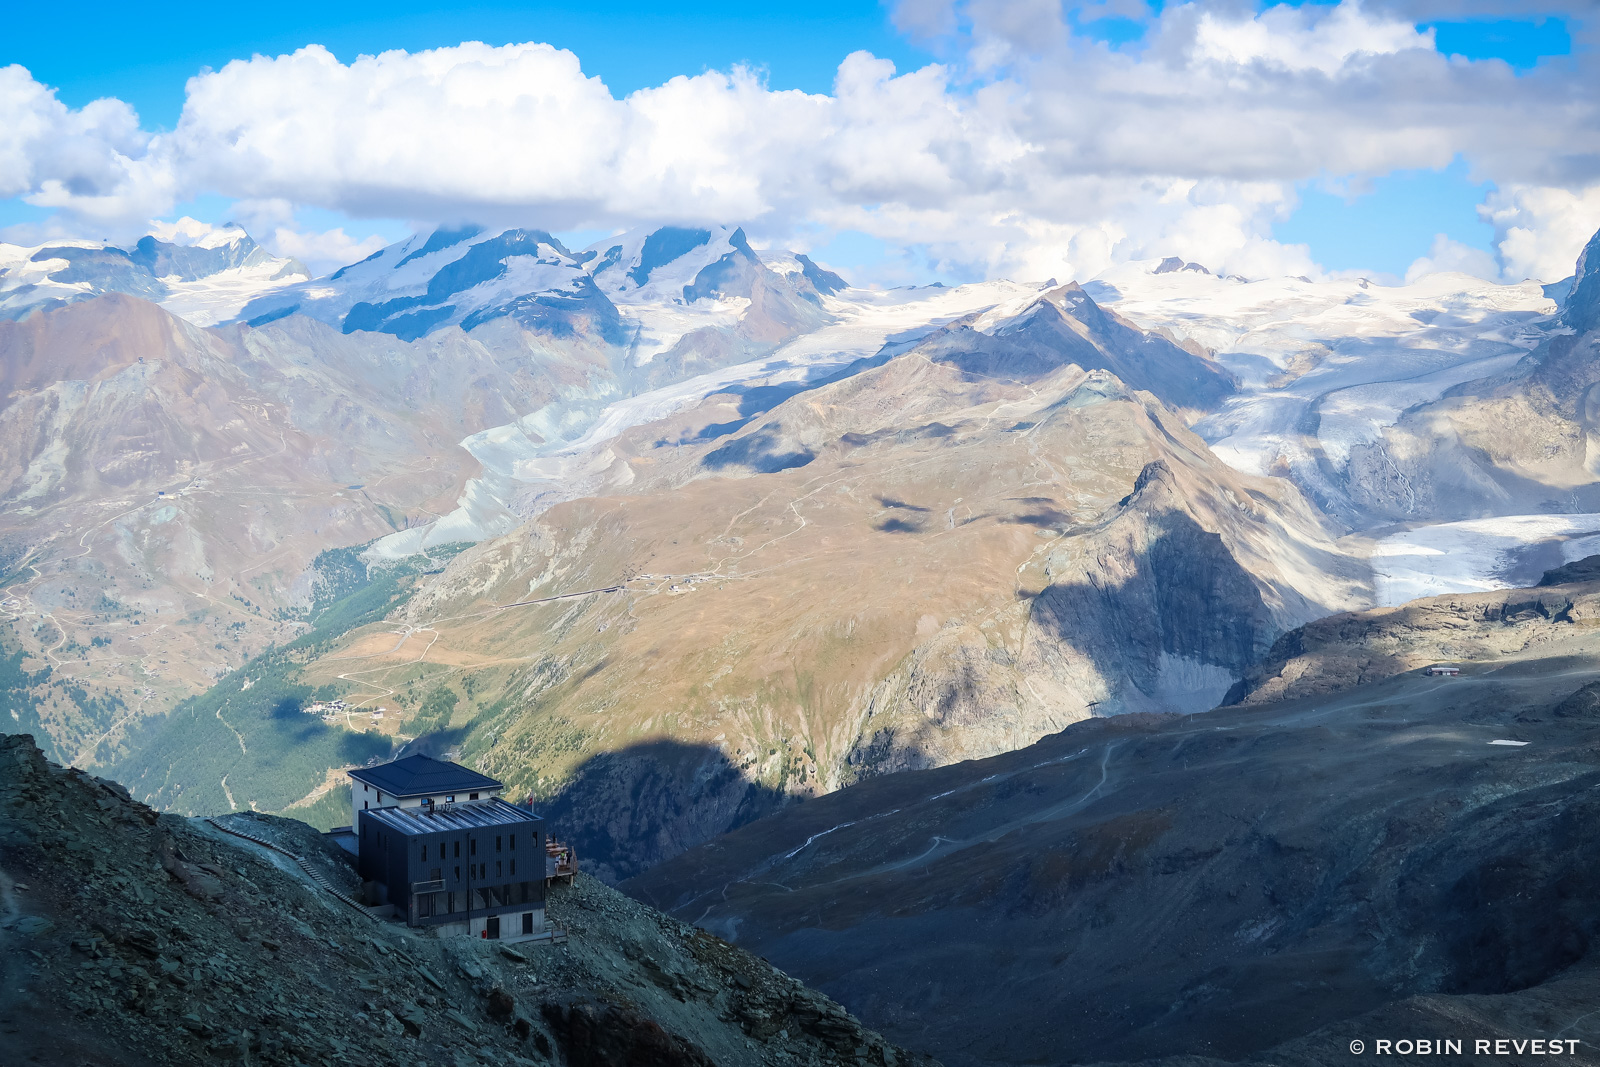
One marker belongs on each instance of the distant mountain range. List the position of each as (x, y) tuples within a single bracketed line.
[(206, 281)]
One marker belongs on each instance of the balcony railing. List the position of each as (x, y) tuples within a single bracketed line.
[(435, 886)]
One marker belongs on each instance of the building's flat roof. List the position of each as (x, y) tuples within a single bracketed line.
[(422, 776), (472, 815)]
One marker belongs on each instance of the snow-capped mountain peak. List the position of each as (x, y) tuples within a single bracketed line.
[(202, 276)]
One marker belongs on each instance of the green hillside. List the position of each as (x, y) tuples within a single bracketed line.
[(246, 743)]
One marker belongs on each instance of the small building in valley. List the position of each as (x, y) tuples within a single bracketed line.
[(1444, 670)]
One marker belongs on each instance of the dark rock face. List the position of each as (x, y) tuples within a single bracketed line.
[(630, 809), (663, 246), (131, 939), (1586, 569), (606, 1035), (1582, 304), (1182, 593)]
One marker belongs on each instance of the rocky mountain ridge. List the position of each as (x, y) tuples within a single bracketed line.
[(130, 938)]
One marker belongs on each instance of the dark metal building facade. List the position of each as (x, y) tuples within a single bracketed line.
[(479, 864)]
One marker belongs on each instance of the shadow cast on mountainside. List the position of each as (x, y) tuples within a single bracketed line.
[(633, 808), (1184, 604), (440, 744)]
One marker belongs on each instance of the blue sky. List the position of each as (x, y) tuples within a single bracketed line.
[(1391, 224), (120, 50)]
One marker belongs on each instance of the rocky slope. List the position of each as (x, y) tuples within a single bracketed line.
[(1261, 884), (130, 938), (166, 488)]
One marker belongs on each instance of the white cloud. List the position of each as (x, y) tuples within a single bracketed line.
[(1304, 39), (1031, 152), (181, 231), (1447, 256), (320, 252), (91, 160), (1540, 231)]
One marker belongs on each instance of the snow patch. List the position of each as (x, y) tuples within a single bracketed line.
[(1474, 555)]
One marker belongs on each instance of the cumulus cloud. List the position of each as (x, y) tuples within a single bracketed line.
[(1448, 256), (1294, 39), (1541, 230), (92, 160), (1033, 150)]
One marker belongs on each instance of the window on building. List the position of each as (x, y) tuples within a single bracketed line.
[(458, 853), (497, 842), (527, 922), (458, 874), (513, 842), (498, 873), (450, 799), (424, 852), (473, 846), (473, 797), (513, 866)]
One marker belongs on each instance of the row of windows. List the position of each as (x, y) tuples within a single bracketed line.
[(495, 896), (472, 849), (478, 871)]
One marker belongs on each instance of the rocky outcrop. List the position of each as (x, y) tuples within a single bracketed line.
[(1350, 649), (129, 938)]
